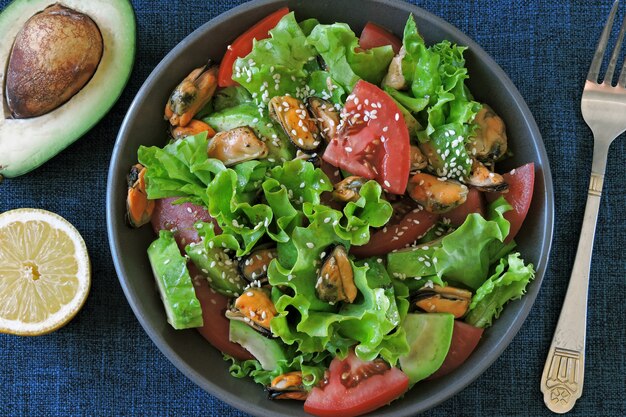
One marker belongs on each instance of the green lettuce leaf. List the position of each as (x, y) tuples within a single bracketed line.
[(180, 169), (463, 256), (437, 77), (236, 211), (337, 45), (323, 85), (311, 365), (290, 186), (370, 322), (276, 65), (508, 282)]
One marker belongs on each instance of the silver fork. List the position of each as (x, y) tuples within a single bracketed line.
[(603, 106)]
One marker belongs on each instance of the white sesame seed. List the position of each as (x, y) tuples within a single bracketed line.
[(387, 184), (397, 116), (310, 245)]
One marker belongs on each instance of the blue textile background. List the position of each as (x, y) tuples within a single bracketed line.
[(103, 363)]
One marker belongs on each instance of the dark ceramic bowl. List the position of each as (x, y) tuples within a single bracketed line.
[(144, 125)]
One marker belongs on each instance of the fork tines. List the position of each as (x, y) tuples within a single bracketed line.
[(596, 63)]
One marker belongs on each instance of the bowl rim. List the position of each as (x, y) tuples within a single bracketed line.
[(525, 303)]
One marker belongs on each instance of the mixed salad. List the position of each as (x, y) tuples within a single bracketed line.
[(328, 212)]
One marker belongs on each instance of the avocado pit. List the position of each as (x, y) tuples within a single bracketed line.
[(54, 55)]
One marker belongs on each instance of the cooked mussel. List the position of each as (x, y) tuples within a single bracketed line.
[(336, 278), (191, 95), (395, 77), (482, 178), (254, 266), (326, 115), (295, 120), (192, 128), (288, 386), (489, 142), (236, 145), (437, 299), (313, 158), (255, 308), (418, 159), (435, 194), (348, 189), (138, 208)]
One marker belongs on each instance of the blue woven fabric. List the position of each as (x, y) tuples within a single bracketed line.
[(103, 363)]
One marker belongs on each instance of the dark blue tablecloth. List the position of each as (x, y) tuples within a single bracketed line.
[(103, 363)]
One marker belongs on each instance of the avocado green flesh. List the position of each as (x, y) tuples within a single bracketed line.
[(429, 336), (223, 277), (25, 144), (267, 351), (182, 307)]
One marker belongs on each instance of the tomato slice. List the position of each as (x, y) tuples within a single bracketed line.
[(242, 46), (374, 35), (475, 203), (519, 195), (407, 225), (465, 338), (356, 387), (374, 140), (216, 326)]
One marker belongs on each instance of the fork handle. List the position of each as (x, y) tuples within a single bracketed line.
[(563, 373)]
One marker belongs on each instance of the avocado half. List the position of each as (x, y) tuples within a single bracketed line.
[(25, 144)]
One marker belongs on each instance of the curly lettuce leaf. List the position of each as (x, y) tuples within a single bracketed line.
[(323, 85), (437, 77), (236, 211), (276, 65), (370, 322), (180, 169), (337, 45), (311, 365), (463, 256), (508, 282), (288, 187)]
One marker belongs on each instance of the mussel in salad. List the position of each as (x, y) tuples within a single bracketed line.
[(346, 207)]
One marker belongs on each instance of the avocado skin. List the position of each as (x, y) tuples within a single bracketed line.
[(25, 144)]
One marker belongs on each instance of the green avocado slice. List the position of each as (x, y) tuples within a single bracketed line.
[(25, 144), (182, 307), (429, 336), (268, 352)]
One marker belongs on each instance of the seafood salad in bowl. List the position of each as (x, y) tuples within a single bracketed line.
[(329, 213)]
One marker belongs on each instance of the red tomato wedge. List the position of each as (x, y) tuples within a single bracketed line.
[(242, 46), (403, 229), (521, 184), (356, 387), (374, 140), (475, 203), (216, 326), (465, 338), (374, 35)]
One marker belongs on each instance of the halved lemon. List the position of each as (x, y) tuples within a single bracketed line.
[(45, 273)]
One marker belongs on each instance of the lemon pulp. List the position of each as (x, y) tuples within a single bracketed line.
[(44, 272)]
